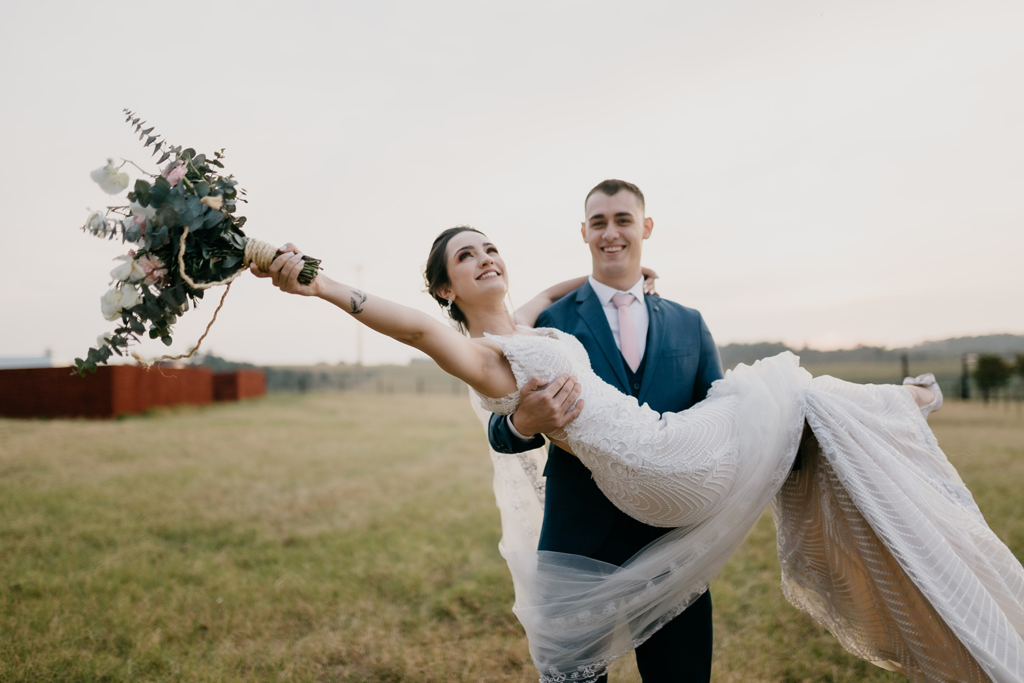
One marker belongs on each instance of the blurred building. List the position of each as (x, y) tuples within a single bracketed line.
[(44, 361)]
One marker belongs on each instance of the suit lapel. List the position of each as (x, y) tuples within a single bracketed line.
[(592, 313), (654, 343)]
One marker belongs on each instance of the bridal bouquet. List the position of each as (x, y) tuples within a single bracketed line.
[(186, 239)]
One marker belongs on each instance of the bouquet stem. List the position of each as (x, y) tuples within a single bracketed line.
[(256, 251), (263, 254)]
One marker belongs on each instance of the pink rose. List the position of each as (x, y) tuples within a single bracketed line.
[(174, 174), (158, 277), (154, 269)]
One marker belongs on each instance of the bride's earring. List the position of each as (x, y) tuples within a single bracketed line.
[(449, 306)]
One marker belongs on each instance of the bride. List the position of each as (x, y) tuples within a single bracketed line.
[(879, 540)]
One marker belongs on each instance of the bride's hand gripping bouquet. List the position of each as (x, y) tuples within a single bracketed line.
[(186, 238)]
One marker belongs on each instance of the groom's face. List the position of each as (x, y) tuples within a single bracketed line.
[(615, 229)]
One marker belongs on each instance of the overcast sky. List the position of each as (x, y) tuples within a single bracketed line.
[(818, 173)]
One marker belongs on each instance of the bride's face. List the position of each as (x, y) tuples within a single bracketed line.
[(475, 270)]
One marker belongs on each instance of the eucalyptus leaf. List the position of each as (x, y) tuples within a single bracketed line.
[(161, 188), (166, 215), (212, 219), (179, 203), (142, 192)]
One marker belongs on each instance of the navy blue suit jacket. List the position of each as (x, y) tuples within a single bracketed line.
[(680, 363)]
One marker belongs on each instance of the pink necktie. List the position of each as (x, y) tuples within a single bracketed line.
[(627, 331)]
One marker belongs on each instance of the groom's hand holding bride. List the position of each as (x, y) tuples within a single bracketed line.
[(543, 408)]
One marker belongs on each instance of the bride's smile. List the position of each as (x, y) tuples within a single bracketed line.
[(477, 283)]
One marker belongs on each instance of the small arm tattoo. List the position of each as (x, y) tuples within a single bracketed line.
[(357, 300)]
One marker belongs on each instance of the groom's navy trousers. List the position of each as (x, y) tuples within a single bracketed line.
[(680, 362)]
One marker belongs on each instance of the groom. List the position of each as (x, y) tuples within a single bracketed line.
[(655, 350)]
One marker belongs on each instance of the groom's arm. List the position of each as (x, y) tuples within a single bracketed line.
[(710, 368), (504, 441)]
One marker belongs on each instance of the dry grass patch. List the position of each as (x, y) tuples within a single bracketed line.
[(336, 537)]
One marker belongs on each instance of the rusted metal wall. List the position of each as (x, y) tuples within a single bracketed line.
[(113, 390), (238, 385)]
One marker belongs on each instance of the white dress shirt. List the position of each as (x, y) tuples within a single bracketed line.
[(641, 321)]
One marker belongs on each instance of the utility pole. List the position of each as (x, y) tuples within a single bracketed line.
[(965, 377)]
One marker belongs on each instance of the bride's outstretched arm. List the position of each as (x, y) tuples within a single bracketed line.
[(478, 363)]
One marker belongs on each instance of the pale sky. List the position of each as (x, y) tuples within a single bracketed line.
[(820, 173)]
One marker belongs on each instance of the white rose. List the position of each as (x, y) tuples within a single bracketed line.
[(138, 272), (110, 179), (110, 304), (130, 270), (130, 295), (120, 273), (145, 212), (115, 300), (102, 340)]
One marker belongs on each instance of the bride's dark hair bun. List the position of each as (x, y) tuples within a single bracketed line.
[(435, 274)]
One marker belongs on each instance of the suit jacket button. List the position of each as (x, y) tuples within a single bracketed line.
[(636, 385)]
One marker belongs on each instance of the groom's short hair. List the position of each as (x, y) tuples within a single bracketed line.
[(612, 187)]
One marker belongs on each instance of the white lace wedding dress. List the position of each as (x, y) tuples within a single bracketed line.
[(878, 538)]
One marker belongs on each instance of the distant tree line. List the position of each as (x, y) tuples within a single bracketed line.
[(998, 344), (992, 372)]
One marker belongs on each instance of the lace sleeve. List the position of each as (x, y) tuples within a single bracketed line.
[(506, 405)]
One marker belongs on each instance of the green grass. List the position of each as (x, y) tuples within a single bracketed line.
[(337, 537)]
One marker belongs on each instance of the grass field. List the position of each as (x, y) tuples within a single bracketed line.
[(338, 537)]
